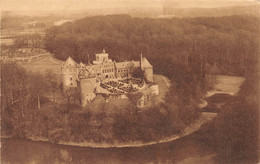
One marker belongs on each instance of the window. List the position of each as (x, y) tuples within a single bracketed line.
[(71, 79), (71, 84)]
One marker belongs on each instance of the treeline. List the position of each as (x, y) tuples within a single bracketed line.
[(27, 22), (244, 9), (29, 40), (229, 43)]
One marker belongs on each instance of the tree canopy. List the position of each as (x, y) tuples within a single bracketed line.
[(230, 42)]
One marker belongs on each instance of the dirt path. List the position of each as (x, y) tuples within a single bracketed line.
[(167, 83), (51, 59)]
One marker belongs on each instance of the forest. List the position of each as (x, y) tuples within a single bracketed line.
[(223, 45)]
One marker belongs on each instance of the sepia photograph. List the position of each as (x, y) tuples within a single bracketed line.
[(129, 81)]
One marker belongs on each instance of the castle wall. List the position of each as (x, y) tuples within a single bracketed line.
[(108, 70), (69, 77), (69, 80), (149, 74), (88, 87)]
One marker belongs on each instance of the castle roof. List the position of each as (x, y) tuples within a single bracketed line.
[(136, 63), (145, 63), (70, 62), (122, 64), (81, 65), (126, 64), (86, 73)]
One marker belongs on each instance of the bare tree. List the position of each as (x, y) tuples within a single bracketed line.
[(52, 82), (37, 87)]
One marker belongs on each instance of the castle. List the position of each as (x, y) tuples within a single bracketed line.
[(108, 77)]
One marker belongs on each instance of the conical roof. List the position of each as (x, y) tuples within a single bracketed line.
[(81, 65), (145, 63), (70, 62)]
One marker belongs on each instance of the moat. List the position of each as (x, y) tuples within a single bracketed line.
[(28, 152)]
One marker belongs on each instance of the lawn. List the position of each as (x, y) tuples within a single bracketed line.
[(43, 64), (227, 85)]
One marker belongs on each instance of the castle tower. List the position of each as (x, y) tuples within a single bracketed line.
[(147, 68), (69, 72), (88, 85)]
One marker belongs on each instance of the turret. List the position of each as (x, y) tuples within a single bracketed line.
[(69, 72), (147, 68), (87, 85)]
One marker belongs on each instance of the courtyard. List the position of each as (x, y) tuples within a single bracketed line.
[(122, 86)]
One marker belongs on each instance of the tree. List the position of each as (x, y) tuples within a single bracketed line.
[(14, 84), (52, 82), (139, 73), (134, 98), (37, 87), (72, 95)]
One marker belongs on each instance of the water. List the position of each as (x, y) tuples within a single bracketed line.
[(185, 150)]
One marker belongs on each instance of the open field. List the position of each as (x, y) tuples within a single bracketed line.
[(226, 85), (7, 41), (44, 64)]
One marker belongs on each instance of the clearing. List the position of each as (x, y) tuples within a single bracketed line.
[(44, 64)]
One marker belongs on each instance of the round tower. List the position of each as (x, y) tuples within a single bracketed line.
[(69, 73), (88, 86)]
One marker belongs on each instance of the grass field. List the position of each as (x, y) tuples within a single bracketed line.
[(44, 64), (227, 85)]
